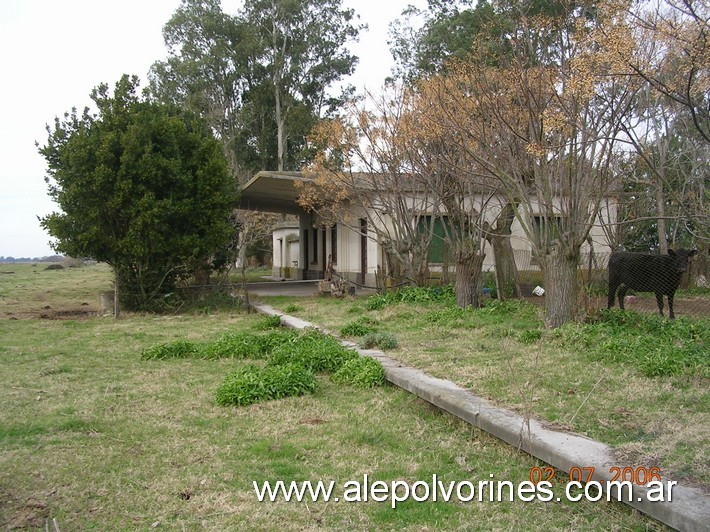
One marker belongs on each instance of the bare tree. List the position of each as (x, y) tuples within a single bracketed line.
[(362, 170), (545, 122)]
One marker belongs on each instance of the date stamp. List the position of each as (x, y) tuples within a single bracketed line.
[(584, 475)]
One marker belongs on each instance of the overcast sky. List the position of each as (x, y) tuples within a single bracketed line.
[(53, 52)]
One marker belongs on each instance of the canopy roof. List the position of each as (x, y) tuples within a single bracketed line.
[(272, 192)]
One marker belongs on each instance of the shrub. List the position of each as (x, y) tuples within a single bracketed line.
[(314, 351), (252, 384), (364, 372), (174, 349), (291, 308), (234, 345), (382, 339)]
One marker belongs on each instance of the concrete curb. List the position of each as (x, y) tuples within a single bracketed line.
[(688, 510)]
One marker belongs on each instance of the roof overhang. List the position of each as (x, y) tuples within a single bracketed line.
[(272, 192)]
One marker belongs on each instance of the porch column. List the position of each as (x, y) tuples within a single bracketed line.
[(304, 232)]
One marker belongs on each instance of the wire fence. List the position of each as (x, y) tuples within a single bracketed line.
[(676, 283)]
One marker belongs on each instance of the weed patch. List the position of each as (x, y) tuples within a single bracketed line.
[(411, 294), (314, 351), (269, 322), (382, 339), (252, 384), (360, 327), (363, 372), (174, 349), (656, 347)]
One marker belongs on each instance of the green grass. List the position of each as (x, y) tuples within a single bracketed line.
[(633, 381), (96, 437)]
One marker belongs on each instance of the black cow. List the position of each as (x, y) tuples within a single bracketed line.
[(647, 273)]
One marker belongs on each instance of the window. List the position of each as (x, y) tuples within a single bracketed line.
[(438, 245), (305, 248)]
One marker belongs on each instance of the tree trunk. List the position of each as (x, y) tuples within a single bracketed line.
[(280, 127), (116, 293), (559, 274), (507, 281), (661, 221), (468, 278)]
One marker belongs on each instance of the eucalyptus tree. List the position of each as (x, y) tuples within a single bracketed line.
[(261, 76), (209, 71), (301, 49)]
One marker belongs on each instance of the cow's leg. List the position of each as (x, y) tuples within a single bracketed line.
[(659, 300), (670, 306), (622, 295), (612, 293)]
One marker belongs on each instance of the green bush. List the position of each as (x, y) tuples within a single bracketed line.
[(364, 372), (292, 308), (314, 351), (174, 349), (252, 384), (381, 339)]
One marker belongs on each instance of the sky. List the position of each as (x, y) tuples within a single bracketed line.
[(54, 52)]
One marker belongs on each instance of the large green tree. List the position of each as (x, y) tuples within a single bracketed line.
[(142, 186), (262, 77)]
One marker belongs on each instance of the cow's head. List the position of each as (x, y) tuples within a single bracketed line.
[(681, 258)]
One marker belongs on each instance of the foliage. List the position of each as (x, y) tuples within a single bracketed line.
[(261, 77), (252, 384), (382, 339), (174, 349), (529, 336), (657, 347), (314, 351), (143, 187), (363, 372), (240, 344)]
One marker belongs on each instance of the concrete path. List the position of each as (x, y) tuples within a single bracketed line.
[(688, 510)]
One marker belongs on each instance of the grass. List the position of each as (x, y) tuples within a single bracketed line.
[(96, 437), (633, 381)]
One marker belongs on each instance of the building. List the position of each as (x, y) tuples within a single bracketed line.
[(302, 249)]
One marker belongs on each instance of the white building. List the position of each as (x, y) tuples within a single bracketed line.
[(302, 250)]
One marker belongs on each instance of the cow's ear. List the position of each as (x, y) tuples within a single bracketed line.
[(671, 253)]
